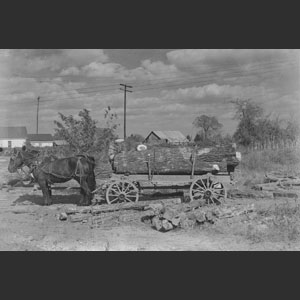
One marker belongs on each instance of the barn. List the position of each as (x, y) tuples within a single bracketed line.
[(170, 137), (41, 140), (11, 137)]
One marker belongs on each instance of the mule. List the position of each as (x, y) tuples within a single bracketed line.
[(48, 171)]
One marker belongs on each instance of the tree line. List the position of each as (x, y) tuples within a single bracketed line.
[(255, 129)]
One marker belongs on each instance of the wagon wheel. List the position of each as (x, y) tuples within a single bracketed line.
[(122, 191), (213, 192)]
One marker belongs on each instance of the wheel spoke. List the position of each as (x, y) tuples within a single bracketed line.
[(216, 194), (209, 182), (197, 192), (128, 186), (113, 200), (118, 188), (200, 186), (112, 195), (131, 195), (203, 184), (214, 200), (128, 200), (113, 189), (130, 192)]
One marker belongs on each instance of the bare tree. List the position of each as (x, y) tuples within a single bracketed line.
[(208, 125)]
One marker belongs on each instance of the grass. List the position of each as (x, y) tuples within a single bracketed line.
[(255, 164), (280, 224), (277, 222), (271, 160)]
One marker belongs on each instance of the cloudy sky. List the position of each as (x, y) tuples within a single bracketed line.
[(170, 86)]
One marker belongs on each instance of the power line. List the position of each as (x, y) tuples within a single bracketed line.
[(194, 68), (180, 83), (161, 82)]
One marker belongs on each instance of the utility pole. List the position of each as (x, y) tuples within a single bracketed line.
[(125, 91), (37, 115)]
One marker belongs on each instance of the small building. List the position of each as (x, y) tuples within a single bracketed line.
[(11, 137), (171, 137), (40, 140)]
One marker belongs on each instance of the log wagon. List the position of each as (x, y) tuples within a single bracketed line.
[(157, 167)]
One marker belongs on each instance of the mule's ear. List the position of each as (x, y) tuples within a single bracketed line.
[(24, 148)]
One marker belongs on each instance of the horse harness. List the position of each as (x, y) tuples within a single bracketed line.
[(34, 163)]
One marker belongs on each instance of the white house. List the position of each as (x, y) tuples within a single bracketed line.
[(11, 137), (40, 140)]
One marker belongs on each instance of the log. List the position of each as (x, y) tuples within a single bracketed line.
[(141, 205), (174, 160), (157, 223), (62, 216), (284, 194), (75, 210), (197, 215), (105, 208), (166, 226), (265, 186), (236, 193), (78, 218), (187, 223)]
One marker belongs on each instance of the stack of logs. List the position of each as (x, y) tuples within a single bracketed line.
[(280, 185)]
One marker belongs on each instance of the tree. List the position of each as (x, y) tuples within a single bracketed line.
[(82, 134), (292, 130), (208, 125), (248, 114)]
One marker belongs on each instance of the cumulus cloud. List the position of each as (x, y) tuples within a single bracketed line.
[(30, 61), (212, 90), (189, 57), (162, 106)]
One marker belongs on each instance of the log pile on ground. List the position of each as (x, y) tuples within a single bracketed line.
[(162, 215), (174, 160), (280, 185), (165, 218)]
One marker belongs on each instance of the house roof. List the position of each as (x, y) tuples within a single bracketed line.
[(171, 136), (19, 132), (43, 137)]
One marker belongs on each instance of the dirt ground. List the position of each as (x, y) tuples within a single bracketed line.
[(27, 225)]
